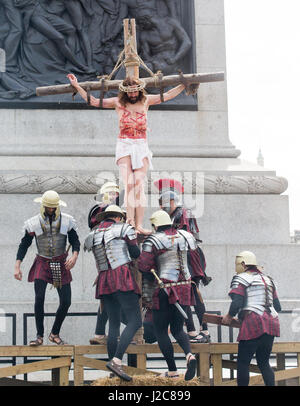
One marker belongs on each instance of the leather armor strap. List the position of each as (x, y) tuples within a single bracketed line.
[(170, 284), (268, 305)]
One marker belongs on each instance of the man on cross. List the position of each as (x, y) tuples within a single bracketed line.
[(132, 152)]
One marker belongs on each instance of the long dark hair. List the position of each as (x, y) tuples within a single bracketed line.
[(123, 96)]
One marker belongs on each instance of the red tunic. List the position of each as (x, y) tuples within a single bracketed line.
[(118, 279), (254, 325), (182, 293), (41, 270)]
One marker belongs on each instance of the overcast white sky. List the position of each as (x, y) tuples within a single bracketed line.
[(263, 75)]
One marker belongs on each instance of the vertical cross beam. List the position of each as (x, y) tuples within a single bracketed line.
[(130, 47)]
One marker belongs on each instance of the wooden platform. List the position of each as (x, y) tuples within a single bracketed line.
[(208, 356)]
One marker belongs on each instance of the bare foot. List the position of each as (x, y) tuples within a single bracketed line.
[(131, 222), (141, 230)]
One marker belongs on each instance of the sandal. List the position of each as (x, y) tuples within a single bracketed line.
[(204, 338), (200, 338), (166, 375), (98, 341), (55, 338), (194, 339), (191, 368), (118, 370), (35, 343)]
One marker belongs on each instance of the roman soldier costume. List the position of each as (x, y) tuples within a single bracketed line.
[(114, 245), (254, 299), (183, 219), (51, 231), (165, 255), (109, 193)]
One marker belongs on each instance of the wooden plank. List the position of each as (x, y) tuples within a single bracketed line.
[(232, 382), (223, 348), (90, 349), (40, 351), (258, 379), (217, 319), (286, 347), (132, 70), (204, 366), (60, 376), (35, 366), (97, 364), (138, 349), (254, 380), (171, 80), (280, 358), (279, 376), (233, 365), (141, 361), (216, 360), (78, 371), (64, 376), (287, 374), (232, 348)]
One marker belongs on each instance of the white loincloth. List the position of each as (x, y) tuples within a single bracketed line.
[(136, 149)]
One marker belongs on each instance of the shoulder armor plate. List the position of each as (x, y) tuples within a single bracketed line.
[(67, 223), (189, 238), (89, 242), (33, 225), (129, 231)]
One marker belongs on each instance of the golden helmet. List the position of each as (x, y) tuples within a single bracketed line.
[(50, 199), (160, 218), (103, 193), (246, 257)]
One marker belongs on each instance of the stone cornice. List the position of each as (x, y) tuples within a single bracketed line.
[(12, 183)]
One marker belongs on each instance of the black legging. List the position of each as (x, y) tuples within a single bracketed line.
[(129, 303), (102, 318), (262, 346), (199, 309), (64, 294), (166, 315)]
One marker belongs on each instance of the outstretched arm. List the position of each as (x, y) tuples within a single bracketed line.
[(107, 103), (169, 95)]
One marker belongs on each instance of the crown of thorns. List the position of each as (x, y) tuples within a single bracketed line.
[(132, 88)]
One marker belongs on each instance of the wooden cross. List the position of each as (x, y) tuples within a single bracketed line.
[(132, 63), (130, 48)]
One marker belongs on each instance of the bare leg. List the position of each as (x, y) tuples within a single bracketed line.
[(140, 198), (128, 180)]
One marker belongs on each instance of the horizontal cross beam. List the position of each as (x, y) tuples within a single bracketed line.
[(151, 82)]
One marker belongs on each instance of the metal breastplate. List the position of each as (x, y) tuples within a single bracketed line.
[(109, 247), (117, 253), (100, 257), (259, 292), (173, 262), (51, 243)]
